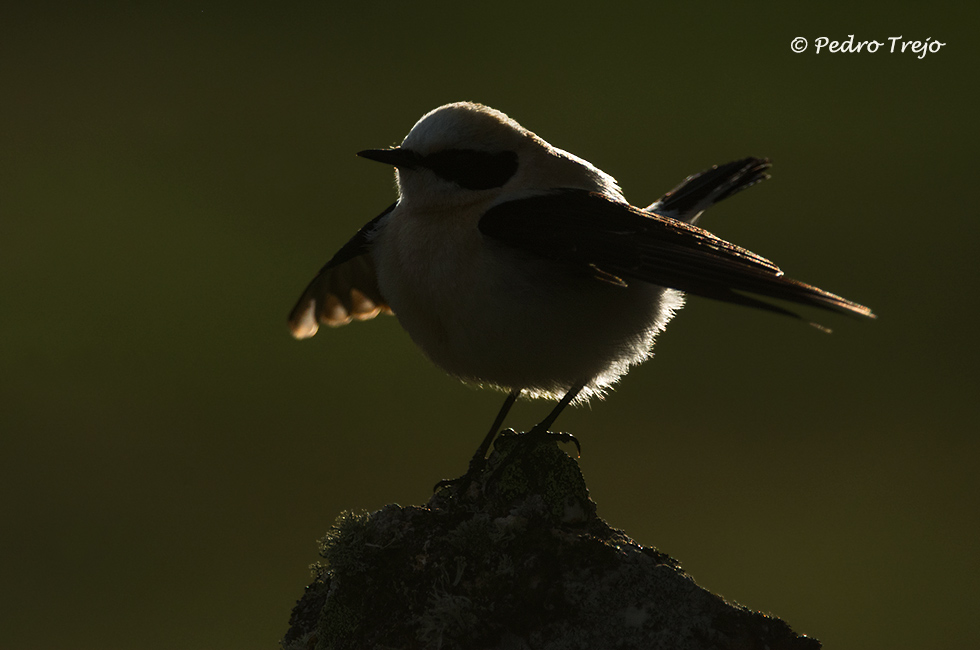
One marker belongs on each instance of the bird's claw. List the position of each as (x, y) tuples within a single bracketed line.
[(544, 435), (478, 463)]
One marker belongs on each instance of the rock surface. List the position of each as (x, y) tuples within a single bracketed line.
[(516, 559)]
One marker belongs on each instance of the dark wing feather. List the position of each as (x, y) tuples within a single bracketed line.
[(345, 289), (700, 191), (579, 226)]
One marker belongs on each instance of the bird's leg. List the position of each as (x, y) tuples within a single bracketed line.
[(541, 431), (524, 443), (480, 457), (481, 453)]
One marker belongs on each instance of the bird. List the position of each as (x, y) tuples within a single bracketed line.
[(519, 266)]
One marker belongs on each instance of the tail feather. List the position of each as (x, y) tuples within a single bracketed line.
[(700, 191)]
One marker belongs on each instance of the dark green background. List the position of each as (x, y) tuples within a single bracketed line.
[(171, 179)]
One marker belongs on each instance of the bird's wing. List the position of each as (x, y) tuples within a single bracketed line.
[(700, 191), (623, 242), (345, 289)]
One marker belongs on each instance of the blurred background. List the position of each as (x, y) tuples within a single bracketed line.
[(170, 180)]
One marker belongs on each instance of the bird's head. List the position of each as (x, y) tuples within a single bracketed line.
[(465, 153)]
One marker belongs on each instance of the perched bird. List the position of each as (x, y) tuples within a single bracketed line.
[(517, 265)]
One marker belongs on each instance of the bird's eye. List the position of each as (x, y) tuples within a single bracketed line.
[(471, 169)]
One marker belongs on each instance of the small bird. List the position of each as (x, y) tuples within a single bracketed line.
[(516, 265)]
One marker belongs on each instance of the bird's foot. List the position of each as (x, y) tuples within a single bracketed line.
[(539, 435), (477, 464), (523, 441), (462, 483)]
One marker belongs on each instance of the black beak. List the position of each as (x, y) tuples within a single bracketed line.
[(396, 157)]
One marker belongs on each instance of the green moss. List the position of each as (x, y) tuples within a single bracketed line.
[(338, 621), (519, 558), (447, 617), (343, 547), (537, 468)]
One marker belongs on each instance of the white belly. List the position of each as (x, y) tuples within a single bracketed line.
[(491, 315)]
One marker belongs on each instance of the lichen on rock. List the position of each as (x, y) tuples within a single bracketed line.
[(518, 558)]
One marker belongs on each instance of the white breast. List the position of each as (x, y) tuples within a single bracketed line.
[(493, 315)]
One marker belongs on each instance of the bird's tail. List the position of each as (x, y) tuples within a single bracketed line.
[(696, 193)]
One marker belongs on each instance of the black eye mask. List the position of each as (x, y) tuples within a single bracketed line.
[(472, 169)]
